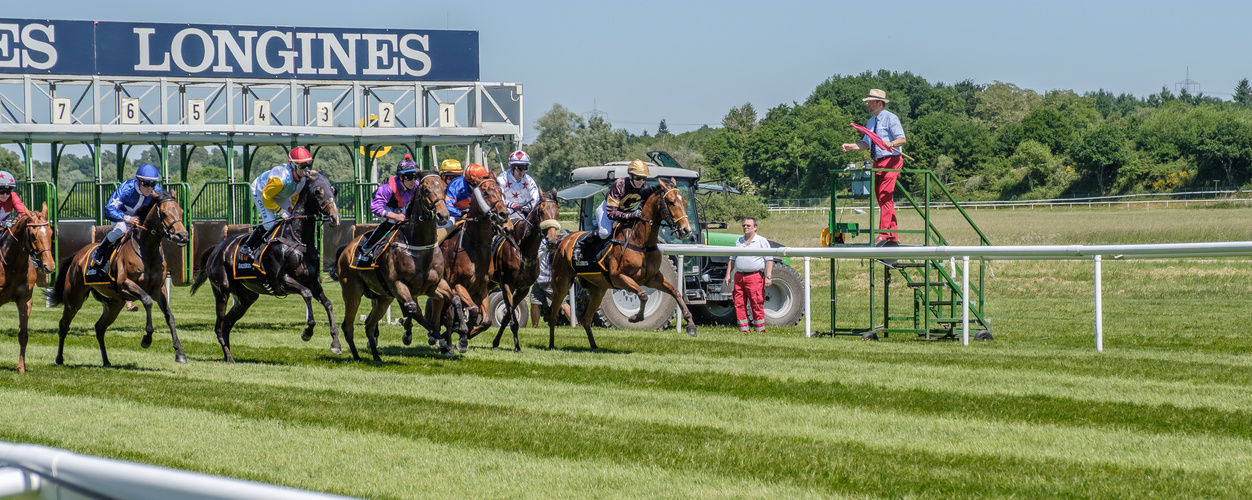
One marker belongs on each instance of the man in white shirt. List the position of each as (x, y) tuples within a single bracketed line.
[(751, 274)]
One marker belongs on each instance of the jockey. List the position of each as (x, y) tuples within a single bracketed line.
[(11, 206), (273, 193), (126, 201), (390, 200), (520, 190), (624, 202), (461, 189)]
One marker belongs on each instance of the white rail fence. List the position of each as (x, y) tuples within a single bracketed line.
[(1109, 202), (31, 471), (1095, 253)]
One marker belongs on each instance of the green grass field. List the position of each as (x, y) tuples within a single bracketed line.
[(1165, 411)]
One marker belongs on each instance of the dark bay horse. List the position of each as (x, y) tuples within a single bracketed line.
[(467, 254), (291, 263), (410, 266), (630, 266), (23, 249), (515, 265), (137, 271)]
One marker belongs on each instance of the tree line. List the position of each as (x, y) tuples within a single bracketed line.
[(992, 141)]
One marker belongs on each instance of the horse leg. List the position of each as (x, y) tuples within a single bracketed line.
[(658, 282), (436, 309), (506, 292), (378, 309), (291, 284), (221, 297), (629, 285), (132, 288), (519, 297), (111, 309), (23, 314), (243, 300), (352, 292), (560, 288), (320, 294), (409, 309), (596, 295), (482, 322), (163, 300), (74, 297)]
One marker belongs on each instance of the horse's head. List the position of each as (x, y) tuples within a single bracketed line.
[(548, 211), (168, 215), (674, 208), (36, 237), (489, 201), (319, 197), (430, 197)]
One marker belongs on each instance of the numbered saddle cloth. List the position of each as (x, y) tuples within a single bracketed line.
[(96, 272)]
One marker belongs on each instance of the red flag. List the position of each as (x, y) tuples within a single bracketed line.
[(878, 140)]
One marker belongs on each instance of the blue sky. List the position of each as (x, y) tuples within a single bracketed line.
[(690, 62)]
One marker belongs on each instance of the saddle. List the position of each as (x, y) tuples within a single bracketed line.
[(589, 252), (96, 272), (367, 258), (249, 266)]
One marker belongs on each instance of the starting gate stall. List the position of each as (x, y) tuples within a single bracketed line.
[(179, 87)]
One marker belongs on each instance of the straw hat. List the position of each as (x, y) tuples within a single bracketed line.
[(876, 95)]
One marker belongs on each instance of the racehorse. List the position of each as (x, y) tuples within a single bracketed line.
[(467, 255), (25, 242), (410, 266), (515, 263), (290, 262), (632, 261), (137, 272)]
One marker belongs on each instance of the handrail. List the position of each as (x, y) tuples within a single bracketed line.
[(984, 252)]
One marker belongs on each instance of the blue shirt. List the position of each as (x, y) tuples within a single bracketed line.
[(457, 197), (127, 200), (887, 125)]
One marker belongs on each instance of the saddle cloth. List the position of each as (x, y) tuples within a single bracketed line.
[(98, 273)]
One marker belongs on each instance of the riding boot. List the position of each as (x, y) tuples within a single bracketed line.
[(100, 258), (248, 247)]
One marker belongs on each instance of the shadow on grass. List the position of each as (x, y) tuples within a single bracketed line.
[(410, 352), (130, 367)]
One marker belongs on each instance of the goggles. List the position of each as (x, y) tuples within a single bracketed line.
[(147, 183), (6, 189), (409, 176)]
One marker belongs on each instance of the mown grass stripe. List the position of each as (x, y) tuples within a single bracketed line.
[(325, 458), (846, 467)]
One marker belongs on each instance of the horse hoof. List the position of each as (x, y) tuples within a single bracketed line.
[(146, 341), (432, 340), (180, 359), (517, 349), (407, 339), (691, 330), (336, 350), (60, 360), (462, 345), (308, 334)]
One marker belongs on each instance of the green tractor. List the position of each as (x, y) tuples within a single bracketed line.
[(702, 276)]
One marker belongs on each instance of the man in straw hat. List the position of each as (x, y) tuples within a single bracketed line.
[(887, 126)]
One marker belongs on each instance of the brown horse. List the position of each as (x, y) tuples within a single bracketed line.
[(410, 266), (631, 265), (515, 264), (23, 247), (468, 256), (137, 271), (291, 263)]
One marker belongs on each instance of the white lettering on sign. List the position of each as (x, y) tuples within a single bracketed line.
[(21, 48), (231, 51)]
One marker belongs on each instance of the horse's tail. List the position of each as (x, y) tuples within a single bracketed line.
[(333, 273), (57, 294), (208, 256)]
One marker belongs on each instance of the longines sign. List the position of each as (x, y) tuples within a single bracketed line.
[(214, 51)]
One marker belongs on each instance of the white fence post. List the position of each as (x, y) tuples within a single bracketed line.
[(1099, 309), (682, 295), (808, 302), (964, 300)]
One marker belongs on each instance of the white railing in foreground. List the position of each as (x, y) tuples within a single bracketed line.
[(1019, 252), (43, 472)]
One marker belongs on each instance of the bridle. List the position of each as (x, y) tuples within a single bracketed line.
[(166, 227), (480, 201), (428, 211), (28, 243)]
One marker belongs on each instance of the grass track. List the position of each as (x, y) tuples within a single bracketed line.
[(1166, 411)]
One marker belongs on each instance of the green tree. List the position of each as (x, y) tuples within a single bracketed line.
[(1001, 103), (553, 154), (662, 129), (1243, 93), (1049, 127), (966, 141), (1224, 148), (1100, 152), (1036, 159)]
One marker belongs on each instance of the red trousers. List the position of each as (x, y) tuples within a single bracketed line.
[(750, 287), (884, 190)]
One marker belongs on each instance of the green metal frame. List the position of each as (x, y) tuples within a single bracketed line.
[(936, 289)]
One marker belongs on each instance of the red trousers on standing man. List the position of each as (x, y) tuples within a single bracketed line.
[(750, 287), (884, 190)]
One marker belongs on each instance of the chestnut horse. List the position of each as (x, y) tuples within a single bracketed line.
[(291, 262), (410, 266), (137, 272), (468, 257), (515, 264), (630, 266), (23, 246)]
